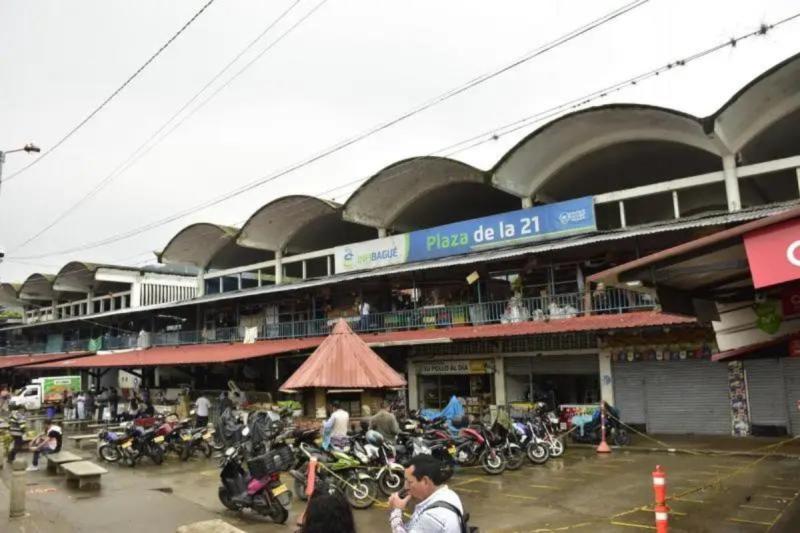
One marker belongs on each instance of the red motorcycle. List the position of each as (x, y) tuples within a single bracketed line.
[(474, 446)]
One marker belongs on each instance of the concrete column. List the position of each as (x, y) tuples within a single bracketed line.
[(18, 486), (731, 183), (606, 378), (329, 267), (382, 232), (90, 303), (278, 267), (201, 283), (499, 381), (413, 400), (136, 293), (305, 270), (527, 202)]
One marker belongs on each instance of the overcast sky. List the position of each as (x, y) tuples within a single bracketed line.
[(349, 66)]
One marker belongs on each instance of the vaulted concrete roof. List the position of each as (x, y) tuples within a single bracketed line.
[(38, 287), (300, 223), (76, 276), (9, 293), (759, 104), (526, 169), (392, 190)]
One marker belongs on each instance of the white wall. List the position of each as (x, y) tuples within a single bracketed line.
[(737, 327)]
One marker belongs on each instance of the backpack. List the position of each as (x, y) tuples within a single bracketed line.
[(463, 518)]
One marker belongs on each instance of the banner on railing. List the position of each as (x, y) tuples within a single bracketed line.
[(516, 227)]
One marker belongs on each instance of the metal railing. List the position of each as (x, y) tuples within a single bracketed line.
[(515, 310)]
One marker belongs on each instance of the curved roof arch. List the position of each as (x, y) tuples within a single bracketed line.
[(38, 286), (209, 246), (76, 276), (9, 293), (526, 168), (299, 223), (389, 192), (764, 101)]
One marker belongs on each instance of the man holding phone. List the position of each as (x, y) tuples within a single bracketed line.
[(439, 509)]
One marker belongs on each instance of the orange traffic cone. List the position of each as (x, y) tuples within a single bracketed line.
[(603, 447)]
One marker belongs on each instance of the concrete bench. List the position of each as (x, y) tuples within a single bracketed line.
[(55, 460), (78, 440), (86, 473)]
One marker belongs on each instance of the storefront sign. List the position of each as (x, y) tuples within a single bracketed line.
[(790, 301), (442, 368), (516, 227), (774, 253)]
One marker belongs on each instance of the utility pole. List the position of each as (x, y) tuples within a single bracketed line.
[(30, 148)]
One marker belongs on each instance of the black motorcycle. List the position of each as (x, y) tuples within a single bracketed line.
[(592, 431)]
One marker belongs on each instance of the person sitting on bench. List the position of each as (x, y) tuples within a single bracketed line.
[(49, 442)]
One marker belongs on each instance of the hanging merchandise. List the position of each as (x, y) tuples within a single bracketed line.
[(768, 316)]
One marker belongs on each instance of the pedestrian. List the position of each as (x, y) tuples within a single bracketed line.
[(335, 428), (80, 405), (113, 403), (133, 408), (16, 428), (5, 395), (363, 312), (68, 403), (327, 513), (438, 510), (90, 404), (201, 408), (385, 423), (50, 442), (224, 402)]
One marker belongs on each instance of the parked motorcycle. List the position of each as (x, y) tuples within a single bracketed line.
[(341, 470), (259, 488), (592, 431), (196, 440), (474, 446), (141, 443), (529, 433)]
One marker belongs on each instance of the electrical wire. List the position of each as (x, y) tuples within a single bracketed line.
[(143, 148), (353, 140), (105, 102)]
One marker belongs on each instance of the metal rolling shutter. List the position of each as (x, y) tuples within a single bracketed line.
[(765, 392), (791, 374), (629, 387), (687, 397)]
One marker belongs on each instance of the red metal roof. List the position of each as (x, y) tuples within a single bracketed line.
[(12, 361), (199, 354), (194, 354), (344, 361)]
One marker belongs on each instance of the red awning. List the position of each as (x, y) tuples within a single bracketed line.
[(12, 361), (194, 354), (779, 347), (199, 354), (344, 361)]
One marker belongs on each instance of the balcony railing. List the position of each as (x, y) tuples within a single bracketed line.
[(515, 310)]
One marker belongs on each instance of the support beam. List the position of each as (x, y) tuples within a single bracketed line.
[(278, 267), (382, 233), (731, 183), (527, 202), (622, 222), (676, 206)]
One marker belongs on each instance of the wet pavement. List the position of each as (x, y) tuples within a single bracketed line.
[(581, 491)]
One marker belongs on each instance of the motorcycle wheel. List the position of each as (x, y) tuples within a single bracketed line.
[(622, 437), (557, 447), (390, 481), (447, 470), (226, 500), (217, 443), (278, 513), (156, 455), (537, 453), (514, 458), (108, 453), (207, 450), (360, 493), (300, 486), (493, 465), (187, 452)]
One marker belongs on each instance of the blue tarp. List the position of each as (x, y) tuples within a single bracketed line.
[(452, 410)]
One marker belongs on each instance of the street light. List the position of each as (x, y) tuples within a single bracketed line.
[(30, 148)]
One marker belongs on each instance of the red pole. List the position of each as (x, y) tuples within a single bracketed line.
[(312, 476), (603, 447), (661, 509)]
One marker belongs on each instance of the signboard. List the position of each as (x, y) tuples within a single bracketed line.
[(774, 253), (53, 387), (443, 368), (506, 229), (790, 301)]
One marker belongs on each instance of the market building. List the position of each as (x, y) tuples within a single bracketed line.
[(471, 282)]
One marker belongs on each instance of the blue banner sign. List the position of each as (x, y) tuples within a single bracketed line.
[(506, 229)]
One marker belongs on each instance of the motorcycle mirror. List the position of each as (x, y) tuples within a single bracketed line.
[(245, 432), (230, 451)]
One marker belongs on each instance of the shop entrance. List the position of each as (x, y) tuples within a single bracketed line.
[(559, 380), (469, 379)]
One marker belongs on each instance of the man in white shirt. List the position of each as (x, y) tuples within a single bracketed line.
[(439, 509), (201, 408), (338, 424)]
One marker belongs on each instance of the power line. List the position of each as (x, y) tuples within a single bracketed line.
[(143, 148), (91, 115), (372, 131)]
